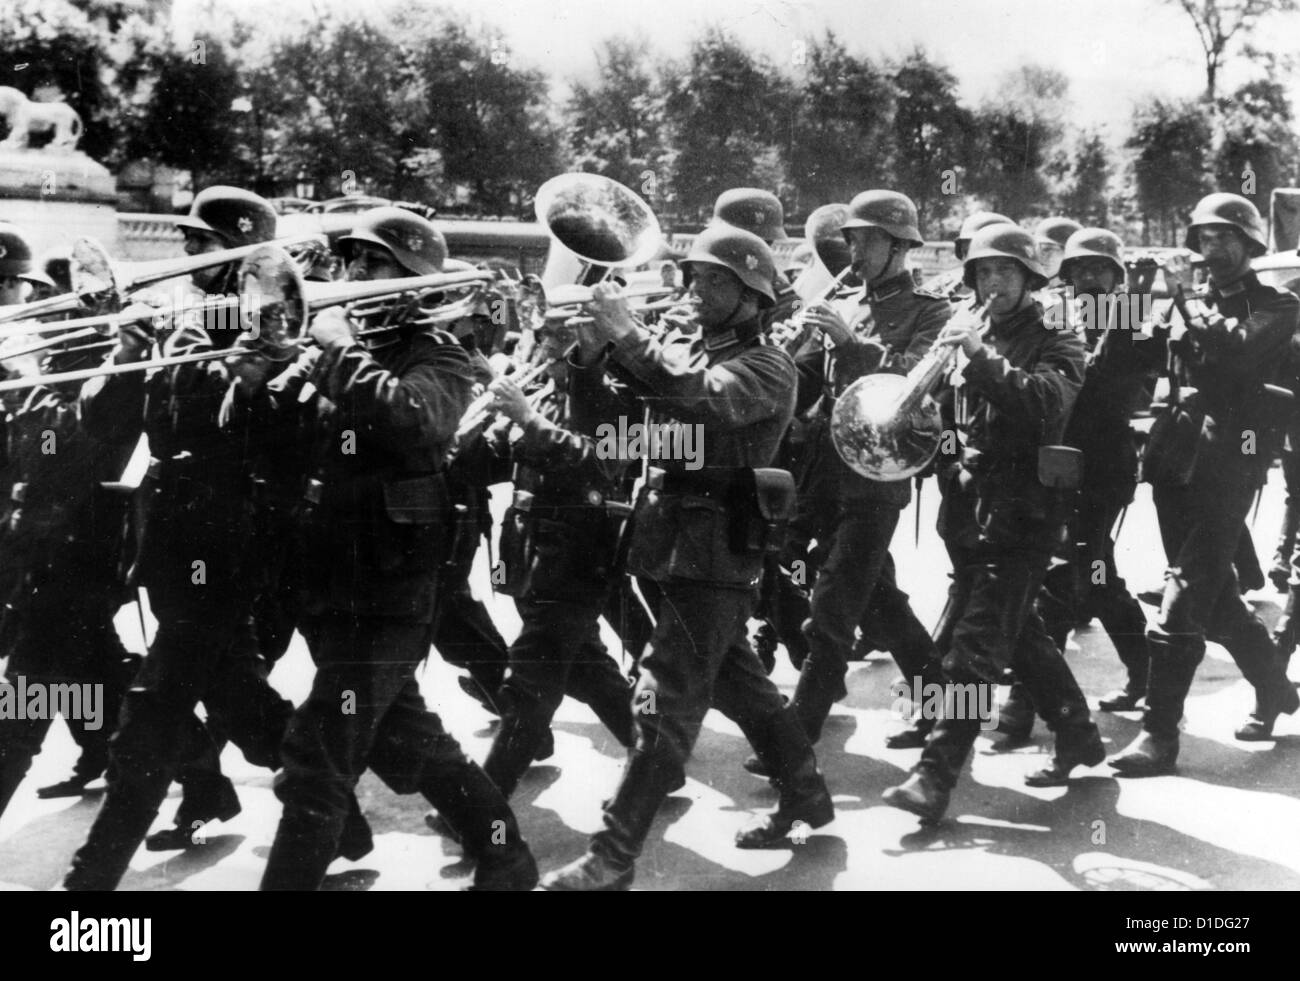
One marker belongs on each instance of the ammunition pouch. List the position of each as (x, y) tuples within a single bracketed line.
[(712, 526), (762, 504)]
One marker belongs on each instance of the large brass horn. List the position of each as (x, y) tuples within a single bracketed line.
[(831, 255), (888, 427), (596, 225)]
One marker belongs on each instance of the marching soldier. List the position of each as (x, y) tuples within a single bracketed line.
[(1116, 384), (760, 212), (1238, 340), (195, 561), (697, 543), (1001, 518), (953, 284), (559, 548), (61, 550), (371, 418), (1051, 236), (889, 328)]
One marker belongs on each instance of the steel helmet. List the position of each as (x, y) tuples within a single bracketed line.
[(972, 224), (413, 242), (1005, 242), (888, 210), (753, 209), (744, 253), (1228, 209), (16, 256), (1098, 243), (1057, 229), (236, 216)]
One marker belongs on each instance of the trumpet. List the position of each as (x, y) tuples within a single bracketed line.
[(479, 412), (888, 427)]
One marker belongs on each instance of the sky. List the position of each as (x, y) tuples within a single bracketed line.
[(1114, 52)]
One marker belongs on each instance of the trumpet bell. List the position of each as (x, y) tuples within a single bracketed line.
[(596, 224), (877, 440), (274, 301)]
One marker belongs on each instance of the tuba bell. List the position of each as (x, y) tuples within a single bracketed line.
[(596, 225), (888, 427)]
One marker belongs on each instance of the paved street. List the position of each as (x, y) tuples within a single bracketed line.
[(1226, 821)]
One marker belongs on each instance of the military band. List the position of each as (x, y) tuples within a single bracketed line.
[(326, 470)]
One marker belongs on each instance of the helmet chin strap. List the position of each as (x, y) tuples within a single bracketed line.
[(889, 261)]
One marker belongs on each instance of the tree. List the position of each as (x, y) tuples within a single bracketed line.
[(616, 127), (932, 137), (723, 109), (1019, 132), (186, 120), (488, 120), (1084, 194), (343, 124), (1219, 22), (840, 139), (1259, 148), (1170, 141)]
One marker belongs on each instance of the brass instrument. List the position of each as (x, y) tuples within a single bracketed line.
[(887, 427), (825, 275), (269, 284), (272, 287), (93, 275)]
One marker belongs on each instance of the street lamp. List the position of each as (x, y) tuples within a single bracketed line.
[(306, 187)]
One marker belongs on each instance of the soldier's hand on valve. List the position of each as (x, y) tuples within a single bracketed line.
[(331, 327), (509, 399), (963, 332), (612, 317), (827, 321)]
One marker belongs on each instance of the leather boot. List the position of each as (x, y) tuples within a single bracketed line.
[(120, 826), (517, 742), (786, 753), (814, 696), (1173, 666), (1016, 717), (305, 844), (217, 801), (1078, 743), (472, 805), (1261, 665), (921, 794), (356, 840), (1284, 636), (609, 864), (1126, 626)]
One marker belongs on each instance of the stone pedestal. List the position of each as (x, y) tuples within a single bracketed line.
[(58, 197)]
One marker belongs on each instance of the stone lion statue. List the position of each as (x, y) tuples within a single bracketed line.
[(25, 117)]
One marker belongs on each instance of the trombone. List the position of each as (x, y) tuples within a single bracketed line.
[(92, 274), (272, 287)]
